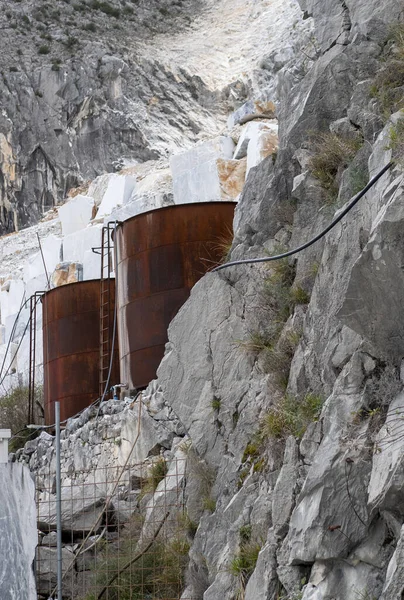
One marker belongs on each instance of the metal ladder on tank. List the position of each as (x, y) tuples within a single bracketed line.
[(33, 301), (105, 306)]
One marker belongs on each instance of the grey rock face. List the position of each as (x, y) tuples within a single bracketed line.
[(78, 100), (368, 292), (393, 587)]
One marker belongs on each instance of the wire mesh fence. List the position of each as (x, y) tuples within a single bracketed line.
[(124, 533)]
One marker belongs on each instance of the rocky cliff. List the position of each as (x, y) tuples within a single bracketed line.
[(286, 380), (82, 92)]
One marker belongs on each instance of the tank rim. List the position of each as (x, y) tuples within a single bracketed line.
[(73, 284), (120, 224)]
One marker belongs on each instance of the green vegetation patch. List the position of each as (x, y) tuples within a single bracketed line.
[(332, 153), (291, 416)]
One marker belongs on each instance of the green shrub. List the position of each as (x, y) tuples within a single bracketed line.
[(71, 42), (388, 83), (79, 7), (291, 416), (209, 504), (14, 414), (277, 359), (331, 153), (216, 403), (299, 295), (44, 49), (56, 64), (278, 299), (157, 472), (203, 475), (107, 9), (245, 533), (251, 451), (243, 564), (396, 142)]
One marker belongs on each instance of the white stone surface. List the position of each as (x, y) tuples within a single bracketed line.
[(251, 131), (98, 187), (5, 435), (34, 266), (18, 533), (11, 296), (195, 172), (263, 143), (77, 248), (76, 214), (152, 191), (118, 191)]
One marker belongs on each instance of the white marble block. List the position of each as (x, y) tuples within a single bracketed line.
[(118, 191), (5, 435), (196, 173), (77, 247), (76, 213)]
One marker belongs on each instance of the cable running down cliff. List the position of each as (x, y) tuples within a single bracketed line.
[(318, 237)]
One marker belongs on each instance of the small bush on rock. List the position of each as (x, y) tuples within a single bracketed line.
[(291, 416), (243, 563), (396, 143), (44, 49), (331, 154), (388, 85), (157, 472)]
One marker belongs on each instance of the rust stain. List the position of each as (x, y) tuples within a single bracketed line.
[(161, 255), (71, 341)]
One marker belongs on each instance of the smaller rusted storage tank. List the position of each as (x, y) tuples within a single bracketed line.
[(161, 255), (71, 345)]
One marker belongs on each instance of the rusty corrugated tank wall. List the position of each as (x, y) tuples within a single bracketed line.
[(161, 255), (71, 342)]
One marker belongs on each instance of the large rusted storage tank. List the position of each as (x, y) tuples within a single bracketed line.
[(161, 255), (71, 344)]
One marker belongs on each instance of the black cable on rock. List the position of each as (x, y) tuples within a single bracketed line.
[(333, 223)]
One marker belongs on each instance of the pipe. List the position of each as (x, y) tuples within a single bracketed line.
[(58, 504), (116, 387), (317, 237)]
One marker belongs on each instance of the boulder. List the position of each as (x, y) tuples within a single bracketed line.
[(80, 513), (67, 273), (253, 109)]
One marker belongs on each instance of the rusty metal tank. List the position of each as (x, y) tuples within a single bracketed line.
[(71, 344), (161, 255)]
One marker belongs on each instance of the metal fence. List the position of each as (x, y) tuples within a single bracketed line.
[(124, 532)]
